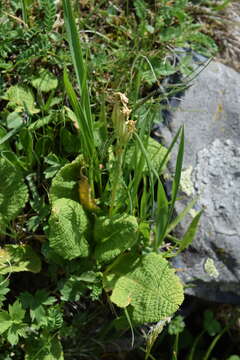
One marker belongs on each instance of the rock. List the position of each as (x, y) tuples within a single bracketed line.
[(210, 112)]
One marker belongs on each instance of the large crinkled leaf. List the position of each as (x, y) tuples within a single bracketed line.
[(20, 99), (65, 184), (68, 224), (16, 258), (45, 81), (114, 235), (155, 151), (13, 192), (148, 284)]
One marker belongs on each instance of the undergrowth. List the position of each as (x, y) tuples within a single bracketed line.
[(86, 223)]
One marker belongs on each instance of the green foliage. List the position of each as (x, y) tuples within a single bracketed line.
[(155, 152), (84, 215), (44, 81), (68, 224), (20, 98), (13, 185), (11, 323), (114, 236), (176, 325), (49, 9), (64, 185), (47, 347), (15, 258), (147, 284), (37, 304), (210, 324)]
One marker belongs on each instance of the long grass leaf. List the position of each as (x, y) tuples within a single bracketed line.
[(190, 233), (86, 137), (161, 214), (177, 176), (164, 160), (214, 342), (74, 43), (194, 346), (82, 109), (149, 164), (181, 216)]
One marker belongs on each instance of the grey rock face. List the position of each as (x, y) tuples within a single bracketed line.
[(210, 112)]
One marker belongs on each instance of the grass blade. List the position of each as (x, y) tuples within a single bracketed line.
[(178, 170), (181, 216), (82, 109), (190, 233), (74, 43), (161, 215), (149, 164), (88, 143)]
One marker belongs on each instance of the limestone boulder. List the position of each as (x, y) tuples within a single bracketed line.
[(210, 113)]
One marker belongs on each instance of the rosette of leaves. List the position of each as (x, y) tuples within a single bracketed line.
[(147, 285), (68, 224), (155, 152), (13, 192), (114, 236)]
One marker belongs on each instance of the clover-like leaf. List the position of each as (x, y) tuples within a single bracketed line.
[(68, 224), (16, 258), (13, 192), (114, 235), (148, 284)]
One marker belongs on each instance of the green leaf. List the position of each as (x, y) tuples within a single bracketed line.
[(181, 216), (178, 170), (16, 258), (155, 152), (69, 141), (68, 224), (46, 347), (210, 324), (148, 284), (81, 108), (20, 99), (45, 81), (64, 185), (72, 288), (161, 214), (13, 191), (16, 311), (190, 233), (176, 325), (35, 303), (14, 120), (5, 321), (15, 331), (42, 122), (114, 236)]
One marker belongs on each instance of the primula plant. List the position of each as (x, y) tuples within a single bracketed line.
[(103, 229)]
